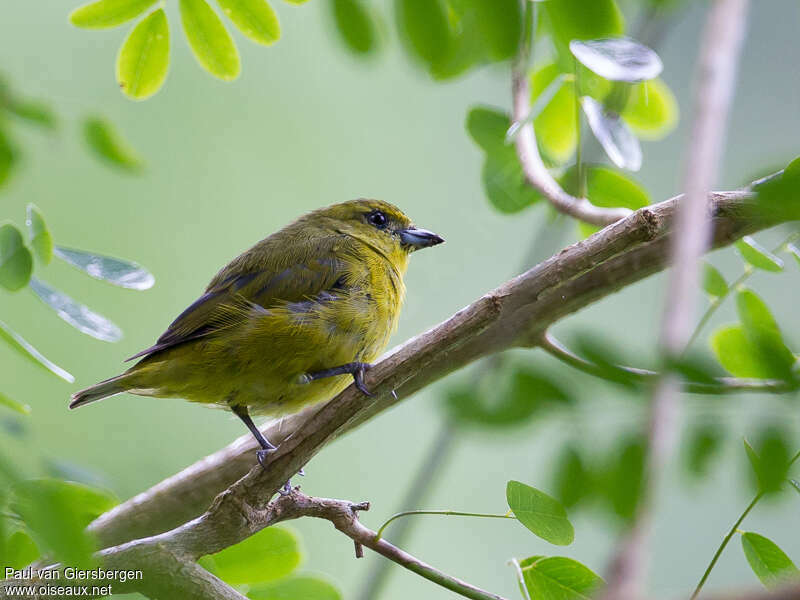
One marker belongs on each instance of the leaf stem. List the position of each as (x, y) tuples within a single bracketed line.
[(454, 513)]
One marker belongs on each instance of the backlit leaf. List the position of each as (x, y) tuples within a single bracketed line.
[(652, 110), (106, 142), (355, 25), (764, 335), (768, 561), (254, 18), (20, 550), (758, 256), (555, 125), (143, 59), (79, 316), (618, 59), (19, 344), (769, 459), (736, 353), (39, 235), (211, 44), (108, 13), (540, 513), (714, 283), (117, 271), (559, 578), (270, 554), (614, 135), (8, 157), (32, 111), (12, 404), (16, 261)]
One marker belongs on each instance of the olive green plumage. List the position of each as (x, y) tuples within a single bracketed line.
[(322, 292)]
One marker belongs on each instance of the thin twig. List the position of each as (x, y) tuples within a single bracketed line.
[(716, 72), (448, 513)]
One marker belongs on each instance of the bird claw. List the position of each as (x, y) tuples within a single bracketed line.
[(262, 455), (286, 489), (358, 377)]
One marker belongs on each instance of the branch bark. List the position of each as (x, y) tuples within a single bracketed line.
[(515, 314), (716, 74)]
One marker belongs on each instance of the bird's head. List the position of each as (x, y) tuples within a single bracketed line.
[(378, 224)]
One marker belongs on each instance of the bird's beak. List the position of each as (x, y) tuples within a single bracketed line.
[(419, 238)]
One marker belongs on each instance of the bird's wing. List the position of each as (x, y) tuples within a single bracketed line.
[(266, 283)]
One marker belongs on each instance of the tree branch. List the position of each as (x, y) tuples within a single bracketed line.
[(716, 72), (514, 314)]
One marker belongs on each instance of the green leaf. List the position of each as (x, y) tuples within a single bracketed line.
[(624, 476), (606, 357), (652, 110), (714, 283), (299, 587), (768, 561), (143, 59), (540, 513), (618, 59), (106, 143), (355, 25), (606, 187), (16, 261), (487, 127), (79, 316), (764, 335), (116, 271), (424, 28), (33, 112), (22, 409), (20, 549), (573, 480), (555, 127), (504, 183), (254, 18), (105, 14), (559, 578), (25, 349), (581, 20), (704, 444), (779, 197), (500, 25), (211, 43), (8, 157), (770, 459), (758, 256), (270, 554), (57, 513), (736, 353), (40, 238)]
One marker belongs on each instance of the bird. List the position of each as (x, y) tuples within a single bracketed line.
[(288, 322)]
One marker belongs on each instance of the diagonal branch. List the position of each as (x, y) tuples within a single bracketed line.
[(514, 314)]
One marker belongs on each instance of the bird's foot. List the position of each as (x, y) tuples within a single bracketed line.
[(262, 455), (287, 488), (356, 369), (358, 377)]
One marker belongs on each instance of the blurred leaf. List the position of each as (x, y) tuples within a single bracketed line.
[(64, 469), (702, 447), (614, 135), (794, 251), (504, 183), (573, 480), (210, 42), (117, 271), (652, 110), (555, 125), (79, 316), (355, 25), (770, 459), (779, 197), (542, 514), (143, 59), (423, 26), (758, 256), (20, 550), (714, 283), (40, 238), (500, 25), (108, 13), (618, 59), (22, 409), (106, 142), (295, 1), (559, 578), (487, 127), (270, 554), (736, 353), (795, 484), (32, 111), (254, 18), (694, 367), (768, 561), (764, 335), (16, 261), (606, 357), (605, 187), (624, 476), (8, 157), (582, 20), (298, 587), (23, 347), (57, 512)]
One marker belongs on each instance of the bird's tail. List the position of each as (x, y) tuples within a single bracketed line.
[(104, 389)]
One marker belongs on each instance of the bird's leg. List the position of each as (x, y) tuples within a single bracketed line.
[(356, 369), (266, 446)]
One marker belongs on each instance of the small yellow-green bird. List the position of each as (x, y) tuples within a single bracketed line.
[(282, 325)]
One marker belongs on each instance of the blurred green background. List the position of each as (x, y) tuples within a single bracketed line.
[(308, 125)]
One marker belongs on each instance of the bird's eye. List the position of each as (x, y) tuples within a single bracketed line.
[(377, 218)]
